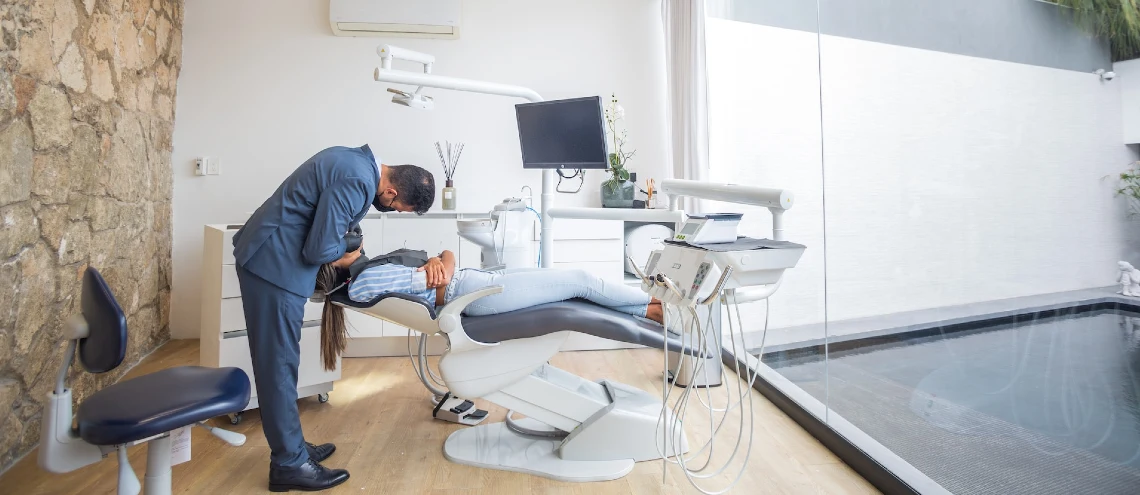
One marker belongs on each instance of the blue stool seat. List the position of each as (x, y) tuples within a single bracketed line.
[(160, 402)]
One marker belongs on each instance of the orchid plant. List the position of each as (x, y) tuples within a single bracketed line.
[(618, 157)]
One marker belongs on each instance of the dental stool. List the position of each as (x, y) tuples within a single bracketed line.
[(144, 409)]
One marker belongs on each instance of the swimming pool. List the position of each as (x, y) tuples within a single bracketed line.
[(1044, 402)]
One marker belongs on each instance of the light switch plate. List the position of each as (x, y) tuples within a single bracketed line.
[(199, 166)]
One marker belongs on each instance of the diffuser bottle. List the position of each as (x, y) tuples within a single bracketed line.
[(449, 195)]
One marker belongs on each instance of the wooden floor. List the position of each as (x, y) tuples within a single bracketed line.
[(380, 419)]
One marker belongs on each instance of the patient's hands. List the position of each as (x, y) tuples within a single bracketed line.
[(437, 273)]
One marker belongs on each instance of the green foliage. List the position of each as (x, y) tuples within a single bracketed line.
[(1130, 188), (1118, 21)]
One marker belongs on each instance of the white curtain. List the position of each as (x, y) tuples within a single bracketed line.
[(687, 96)]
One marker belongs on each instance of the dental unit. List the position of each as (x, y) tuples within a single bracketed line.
[(576, 429)]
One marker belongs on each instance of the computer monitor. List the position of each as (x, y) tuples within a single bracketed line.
[(566, 134)]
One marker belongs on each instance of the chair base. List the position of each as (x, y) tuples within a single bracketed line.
[(494, 446)]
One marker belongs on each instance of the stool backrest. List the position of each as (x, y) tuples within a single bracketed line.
[(106, 343)]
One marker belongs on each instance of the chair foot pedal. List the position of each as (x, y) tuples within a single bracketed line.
[(457, 410)]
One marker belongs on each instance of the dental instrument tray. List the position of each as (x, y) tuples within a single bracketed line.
[(713, 227), (741, 243), (753, 261)]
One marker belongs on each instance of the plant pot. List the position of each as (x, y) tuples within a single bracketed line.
[(618, 196)]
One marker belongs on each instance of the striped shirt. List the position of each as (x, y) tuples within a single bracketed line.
[(382, 279)]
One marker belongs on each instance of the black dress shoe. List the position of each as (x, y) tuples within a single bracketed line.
[(320, 452), (309, 477)]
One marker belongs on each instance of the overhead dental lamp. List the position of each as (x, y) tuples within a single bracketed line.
[(388, 53)]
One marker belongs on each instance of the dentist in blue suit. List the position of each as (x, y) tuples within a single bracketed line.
[(278, 252)]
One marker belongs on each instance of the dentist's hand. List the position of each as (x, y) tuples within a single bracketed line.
[(437, 275), (348, 259)]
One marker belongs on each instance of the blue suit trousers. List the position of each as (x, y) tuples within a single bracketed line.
[(273, 318)]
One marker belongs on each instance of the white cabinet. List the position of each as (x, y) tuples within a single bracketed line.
[(1128, 77), (224, 341)]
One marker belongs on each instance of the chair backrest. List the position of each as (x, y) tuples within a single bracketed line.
[(106, 343)]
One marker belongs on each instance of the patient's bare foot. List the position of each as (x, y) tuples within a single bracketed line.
[(655, 313)]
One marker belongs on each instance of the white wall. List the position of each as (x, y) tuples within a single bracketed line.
[(265, 85), (949, 179)]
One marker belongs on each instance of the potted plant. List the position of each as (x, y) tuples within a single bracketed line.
[(618, 190)]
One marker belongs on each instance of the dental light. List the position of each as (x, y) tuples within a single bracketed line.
[(388, 53)]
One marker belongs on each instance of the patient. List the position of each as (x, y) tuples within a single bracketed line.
[(439, 282)]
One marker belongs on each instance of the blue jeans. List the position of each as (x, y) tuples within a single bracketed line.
[(526, 287)]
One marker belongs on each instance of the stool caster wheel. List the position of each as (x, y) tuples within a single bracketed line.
[(323, 398), (235, 418)]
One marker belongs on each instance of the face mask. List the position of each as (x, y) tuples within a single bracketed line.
[(379, 207)]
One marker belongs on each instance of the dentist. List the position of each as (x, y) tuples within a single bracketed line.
[(277, 253)]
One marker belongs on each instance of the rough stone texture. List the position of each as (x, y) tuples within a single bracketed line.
[(65, 22), (101, 85), (35, 55), (7, 96), (51, 178), (51, 118), (71, 69), (25, 87), (21, 229), (87, 108), (16, 178)]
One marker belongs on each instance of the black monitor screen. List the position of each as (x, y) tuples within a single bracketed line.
[(567, 134)]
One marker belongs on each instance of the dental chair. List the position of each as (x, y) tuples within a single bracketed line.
[(143, 409), (575, 429)]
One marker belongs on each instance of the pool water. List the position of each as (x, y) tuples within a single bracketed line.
[(1040, 405)]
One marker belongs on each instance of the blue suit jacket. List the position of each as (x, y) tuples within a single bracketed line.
[(302, 225)]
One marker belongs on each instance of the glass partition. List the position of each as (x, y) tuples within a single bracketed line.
[(955, 317), (765, 130)]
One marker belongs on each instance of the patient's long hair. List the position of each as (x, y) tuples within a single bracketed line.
[(334, 333)]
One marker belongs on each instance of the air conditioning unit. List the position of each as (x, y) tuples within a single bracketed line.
[(395, 18)]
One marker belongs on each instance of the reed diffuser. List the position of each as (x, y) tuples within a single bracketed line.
[(449, 161)]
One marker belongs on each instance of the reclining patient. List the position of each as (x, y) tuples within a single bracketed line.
[(438, 282)]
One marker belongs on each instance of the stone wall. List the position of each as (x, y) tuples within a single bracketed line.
[(87, 93)]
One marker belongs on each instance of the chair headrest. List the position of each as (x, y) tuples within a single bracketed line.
[(106, 343)]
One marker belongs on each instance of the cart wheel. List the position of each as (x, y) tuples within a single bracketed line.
[(235, 418), (323, 398)]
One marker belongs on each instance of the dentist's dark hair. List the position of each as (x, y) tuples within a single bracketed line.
[(334, 333), (415, 186)]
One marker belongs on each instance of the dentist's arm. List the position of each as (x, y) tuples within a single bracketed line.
[(335, 211)]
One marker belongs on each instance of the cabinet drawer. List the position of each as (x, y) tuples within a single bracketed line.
[(312, 371), (592, 250), (608, 270), (230, 285), (228, 245), (233, 315), (579, 229), (234, 352), (427, 234)]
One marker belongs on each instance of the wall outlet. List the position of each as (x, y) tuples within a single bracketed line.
[(213, 166), (207, 166)]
